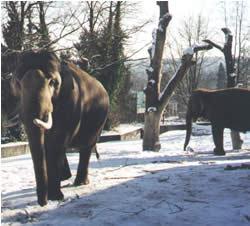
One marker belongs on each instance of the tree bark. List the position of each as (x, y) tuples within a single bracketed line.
[(151, 140), (152, 91), (157, 101)]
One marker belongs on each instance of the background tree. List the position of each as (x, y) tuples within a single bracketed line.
[(14, 36), (221, 77), (102, 42), (235, 17), (192, 30), (13, 30)]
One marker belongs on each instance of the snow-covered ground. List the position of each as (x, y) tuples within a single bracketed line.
[(130, 187)]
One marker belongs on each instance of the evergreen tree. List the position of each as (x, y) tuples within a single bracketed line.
[(221, 77), (13, 31), (13, 35), (19, 33), (43, 29), (105, 50)]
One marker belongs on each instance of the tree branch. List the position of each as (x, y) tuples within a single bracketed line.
[(186, 63), (127, 58), (213, 44)]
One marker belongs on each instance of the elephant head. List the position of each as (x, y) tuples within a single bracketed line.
[(37, 84), (197, 107)]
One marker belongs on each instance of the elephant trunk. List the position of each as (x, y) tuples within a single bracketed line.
[(188, 128), (44, 124), (37, 149)]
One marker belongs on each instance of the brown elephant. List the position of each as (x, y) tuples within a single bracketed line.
[(226, 108), (61, 106)]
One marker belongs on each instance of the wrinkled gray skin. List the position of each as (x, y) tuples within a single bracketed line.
[(61, 106), (226, 108)]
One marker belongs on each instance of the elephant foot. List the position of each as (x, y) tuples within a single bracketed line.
[(42, 196), (55, 195), (66, 174), (65, 171), (79, 182), (219, 152), (42, 201)]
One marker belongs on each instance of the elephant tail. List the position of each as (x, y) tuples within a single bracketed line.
[(97, 154)]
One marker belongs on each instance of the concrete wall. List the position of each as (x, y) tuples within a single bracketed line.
[(14, 149)]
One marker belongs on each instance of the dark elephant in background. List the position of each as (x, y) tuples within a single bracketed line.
[(226, 108), (61, 106)]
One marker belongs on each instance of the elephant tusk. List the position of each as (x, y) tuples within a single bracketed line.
[(45, 125)]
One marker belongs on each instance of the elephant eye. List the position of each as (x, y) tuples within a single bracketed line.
[(53, 83)]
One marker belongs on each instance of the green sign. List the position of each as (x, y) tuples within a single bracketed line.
[(140, 103)]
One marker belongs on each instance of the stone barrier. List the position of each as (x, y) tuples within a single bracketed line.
[(14, 149), (20, 148)]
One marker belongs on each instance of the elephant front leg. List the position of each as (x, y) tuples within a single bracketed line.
[(54, 161), (82, 171), (218, 140)]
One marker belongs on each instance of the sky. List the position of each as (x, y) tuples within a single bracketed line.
[(179, 9), (211, 10)]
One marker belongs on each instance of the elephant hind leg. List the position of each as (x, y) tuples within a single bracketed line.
[(82, 170), (65, 172), (218, 140)]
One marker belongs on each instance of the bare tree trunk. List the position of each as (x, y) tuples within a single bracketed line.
[(151, 140), (152, 91), (156, 101)]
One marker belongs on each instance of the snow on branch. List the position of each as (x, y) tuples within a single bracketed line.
[(233, 74), (152, 81), (195, 48), (152, 109), (151, 49), (164, 21)]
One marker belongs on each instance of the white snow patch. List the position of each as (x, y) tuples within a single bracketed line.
[(123, 128), (150, 69), (152, 81), (153, 43), (232, 74), (151, 109), (160, 28), (190, 50), (165, 17), (200, 130)]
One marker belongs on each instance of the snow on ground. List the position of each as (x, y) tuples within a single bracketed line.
[(123, 128), (134, 188)]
